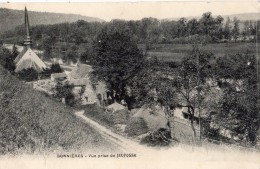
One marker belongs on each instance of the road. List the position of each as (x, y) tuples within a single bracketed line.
[(124, 144), (180, 155)]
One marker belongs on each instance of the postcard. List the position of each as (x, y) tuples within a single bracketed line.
[(130, 85)]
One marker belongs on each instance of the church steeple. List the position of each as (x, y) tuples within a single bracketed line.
[(27, 39)]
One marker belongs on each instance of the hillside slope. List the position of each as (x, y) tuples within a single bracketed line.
[(11, 18), (30, 122)]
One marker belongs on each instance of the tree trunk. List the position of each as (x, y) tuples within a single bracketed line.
[(191, 112), (170, 122)]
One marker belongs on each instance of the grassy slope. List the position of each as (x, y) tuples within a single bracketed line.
[(174, 52), (31, 122)]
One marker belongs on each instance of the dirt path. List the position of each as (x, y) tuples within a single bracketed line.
[(126, 145)]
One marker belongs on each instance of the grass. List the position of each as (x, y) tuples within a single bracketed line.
[(30, 122), (175, 52), (106, 119)]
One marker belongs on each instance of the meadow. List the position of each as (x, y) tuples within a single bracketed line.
[(175, 52)]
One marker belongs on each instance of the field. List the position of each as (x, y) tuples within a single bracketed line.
[(175, 52)]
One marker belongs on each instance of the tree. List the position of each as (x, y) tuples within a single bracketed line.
[(117, 60), (55, 68), (6, 59), (239, 107), (235, 31), (157, 88), (191, 87), (28, 75), (64, 91), (227, 29)]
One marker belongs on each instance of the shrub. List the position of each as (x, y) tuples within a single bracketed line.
[(136, 127), (28, 75), (161, 137), (55, 68)]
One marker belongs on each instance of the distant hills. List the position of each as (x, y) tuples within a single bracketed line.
[(241, 17), (11, 18)]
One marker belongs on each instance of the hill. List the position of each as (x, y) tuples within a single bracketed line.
[(12, 18), (31, 122)]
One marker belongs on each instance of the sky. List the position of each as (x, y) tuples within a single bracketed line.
[(137, 10)]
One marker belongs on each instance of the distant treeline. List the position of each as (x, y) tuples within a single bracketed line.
[(146, 31)]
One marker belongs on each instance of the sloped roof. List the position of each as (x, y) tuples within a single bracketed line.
[(58, 75), (81, 71), (20, 55), (29, 60), (115, 107), (78, 82), (26, 64), (154, 119)]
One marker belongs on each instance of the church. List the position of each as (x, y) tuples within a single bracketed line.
[(28, 58)]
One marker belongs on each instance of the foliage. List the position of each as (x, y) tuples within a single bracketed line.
[(235, 30), (136, 126), (55, 68), (28, 75), (64, 91), (116, 62), (161, 137), (147, 30), (6, 58), (238, 110)]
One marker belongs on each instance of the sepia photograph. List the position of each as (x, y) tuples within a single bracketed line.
[(129, 85)]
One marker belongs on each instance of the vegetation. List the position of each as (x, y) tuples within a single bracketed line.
[(58, 40), (55, 68), (30, 122), (7, 58), (28, 75), (161, 137), (136, 126), (116, 62)]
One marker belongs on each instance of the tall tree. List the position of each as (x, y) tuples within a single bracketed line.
[(238, 110), (236, 30), (191, 85), (117, 60), (227, 29)]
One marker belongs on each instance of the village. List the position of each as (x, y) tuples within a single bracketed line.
[(159, 121)]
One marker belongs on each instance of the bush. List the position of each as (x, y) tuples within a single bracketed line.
[(136, 127), (55, 68), (28, 75), (161, 137)]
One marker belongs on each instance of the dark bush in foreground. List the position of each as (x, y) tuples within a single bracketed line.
[(161, 137), (28, 75), (136, 126)]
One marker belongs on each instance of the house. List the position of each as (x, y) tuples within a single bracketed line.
[(58, 77), (93, 92), (82, 87), (28, 58)]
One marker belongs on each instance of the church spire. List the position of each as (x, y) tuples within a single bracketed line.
[(27, 39)]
